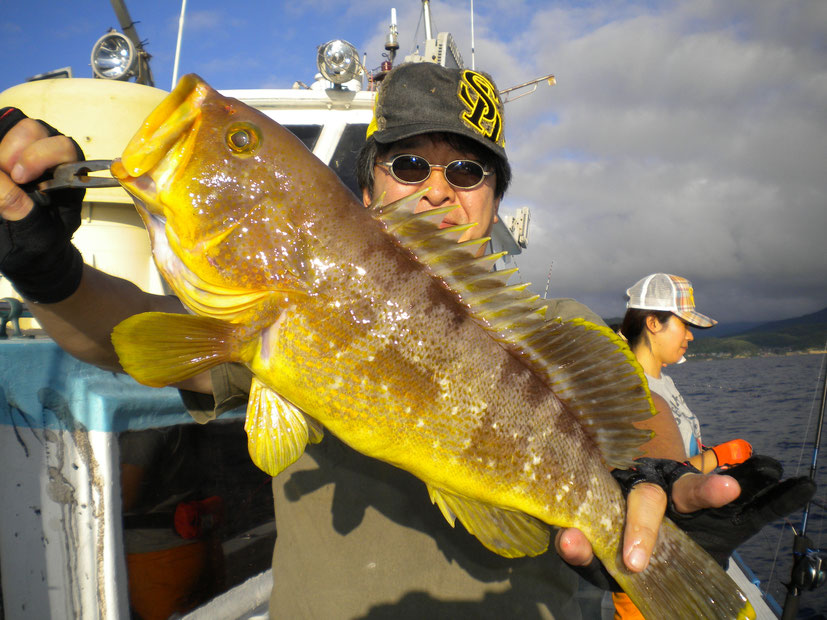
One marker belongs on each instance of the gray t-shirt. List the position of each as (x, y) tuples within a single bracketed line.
[(688, 423), (358, 538)]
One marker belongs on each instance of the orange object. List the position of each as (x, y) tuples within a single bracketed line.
[(162, 583), (624, 607), (732, 452), (196, 519)]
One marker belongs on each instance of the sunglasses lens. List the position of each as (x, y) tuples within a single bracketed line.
[(464, 173), (411, 169)]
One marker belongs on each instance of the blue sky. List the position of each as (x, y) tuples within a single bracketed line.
[(683, 136)]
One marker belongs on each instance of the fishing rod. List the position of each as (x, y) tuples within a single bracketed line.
[(809, 564)]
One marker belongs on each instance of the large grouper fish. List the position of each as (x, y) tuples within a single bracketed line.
[(377, 326)]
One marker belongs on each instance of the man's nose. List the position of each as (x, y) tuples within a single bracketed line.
[(440, 192)]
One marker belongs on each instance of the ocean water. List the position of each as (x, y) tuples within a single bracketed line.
[(772, 402)]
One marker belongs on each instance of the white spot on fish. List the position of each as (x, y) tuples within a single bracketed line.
[(565, 488), (420, 423), (371, 358), (407, 409)]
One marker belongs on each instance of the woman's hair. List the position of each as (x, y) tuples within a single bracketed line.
[(372, 152), (634, 323)]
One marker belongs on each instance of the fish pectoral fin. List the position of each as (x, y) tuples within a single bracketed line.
[(158, 348), (509, 533), (277, 430)]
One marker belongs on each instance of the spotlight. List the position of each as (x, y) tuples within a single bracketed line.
[(114, 57), (338, 61)]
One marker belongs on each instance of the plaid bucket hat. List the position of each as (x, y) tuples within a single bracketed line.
[(662, 291), (424, 97)]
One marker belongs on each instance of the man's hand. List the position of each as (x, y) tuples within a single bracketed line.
[(36, 253), (645, 508)]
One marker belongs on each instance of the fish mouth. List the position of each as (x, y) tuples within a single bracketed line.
[(159, 148)]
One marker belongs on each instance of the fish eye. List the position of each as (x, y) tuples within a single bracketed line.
[(243, 138)]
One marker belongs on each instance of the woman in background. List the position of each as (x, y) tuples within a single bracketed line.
[(659, 313)]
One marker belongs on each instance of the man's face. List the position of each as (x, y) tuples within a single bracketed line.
[(475, 205)]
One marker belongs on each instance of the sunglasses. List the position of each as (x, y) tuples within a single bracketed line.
[(413, 169)]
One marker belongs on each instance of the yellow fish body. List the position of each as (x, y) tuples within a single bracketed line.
[(377, 326)]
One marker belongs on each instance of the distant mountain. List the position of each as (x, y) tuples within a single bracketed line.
[(804, 333), (819, 317), (723, 330)]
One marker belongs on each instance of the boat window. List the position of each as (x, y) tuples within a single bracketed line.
[(343, 161), (309, 134)]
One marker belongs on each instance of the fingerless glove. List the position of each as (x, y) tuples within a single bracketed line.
[(36, 253)]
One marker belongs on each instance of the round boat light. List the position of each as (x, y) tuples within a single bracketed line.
[(338, 61), (114, 57)]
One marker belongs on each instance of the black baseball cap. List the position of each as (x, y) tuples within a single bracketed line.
[(424, 97)]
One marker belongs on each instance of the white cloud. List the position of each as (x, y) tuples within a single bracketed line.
[(688, 138)]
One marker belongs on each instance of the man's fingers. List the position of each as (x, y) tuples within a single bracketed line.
[(26, 152), (646, 506), (693, 492), (573, 546), (14, 203)]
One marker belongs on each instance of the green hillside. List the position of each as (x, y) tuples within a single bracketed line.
[(801, 334)]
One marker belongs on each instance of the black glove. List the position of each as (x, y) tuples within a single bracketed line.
[(36, 253), (719, 531), (763, 499)]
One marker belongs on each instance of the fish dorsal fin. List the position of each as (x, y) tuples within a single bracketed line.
[(592, 370), (277, 431), (588, 366), (505, 532)]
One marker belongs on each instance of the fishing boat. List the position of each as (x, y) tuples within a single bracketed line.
[(68, 431), (66, 427)]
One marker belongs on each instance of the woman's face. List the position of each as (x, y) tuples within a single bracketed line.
[(670, 340)]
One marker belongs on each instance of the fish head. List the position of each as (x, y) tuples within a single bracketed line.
[(202, 163)]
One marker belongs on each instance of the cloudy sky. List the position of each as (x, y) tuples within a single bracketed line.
[(682, 136)]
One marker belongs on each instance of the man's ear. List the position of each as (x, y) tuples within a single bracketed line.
[(367, 199)]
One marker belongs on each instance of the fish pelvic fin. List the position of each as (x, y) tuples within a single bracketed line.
[(277, 430), (589, 367), (508, 533), (681, 581), (158, 348)]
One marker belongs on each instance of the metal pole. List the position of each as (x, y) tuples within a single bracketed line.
[(128, 27), (802, 545), (178, 44), (473, 66), (426, 17)]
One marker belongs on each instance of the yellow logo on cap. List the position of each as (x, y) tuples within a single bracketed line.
[(483, 111)]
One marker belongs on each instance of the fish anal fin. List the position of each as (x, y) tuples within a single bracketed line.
[(158, 348), (508, 533), (277, 431)]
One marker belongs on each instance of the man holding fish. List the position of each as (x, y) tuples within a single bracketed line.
[(355, 535)]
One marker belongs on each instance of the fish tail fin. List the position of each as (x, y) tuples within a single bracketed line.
[(681, 581), (159, 349)]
